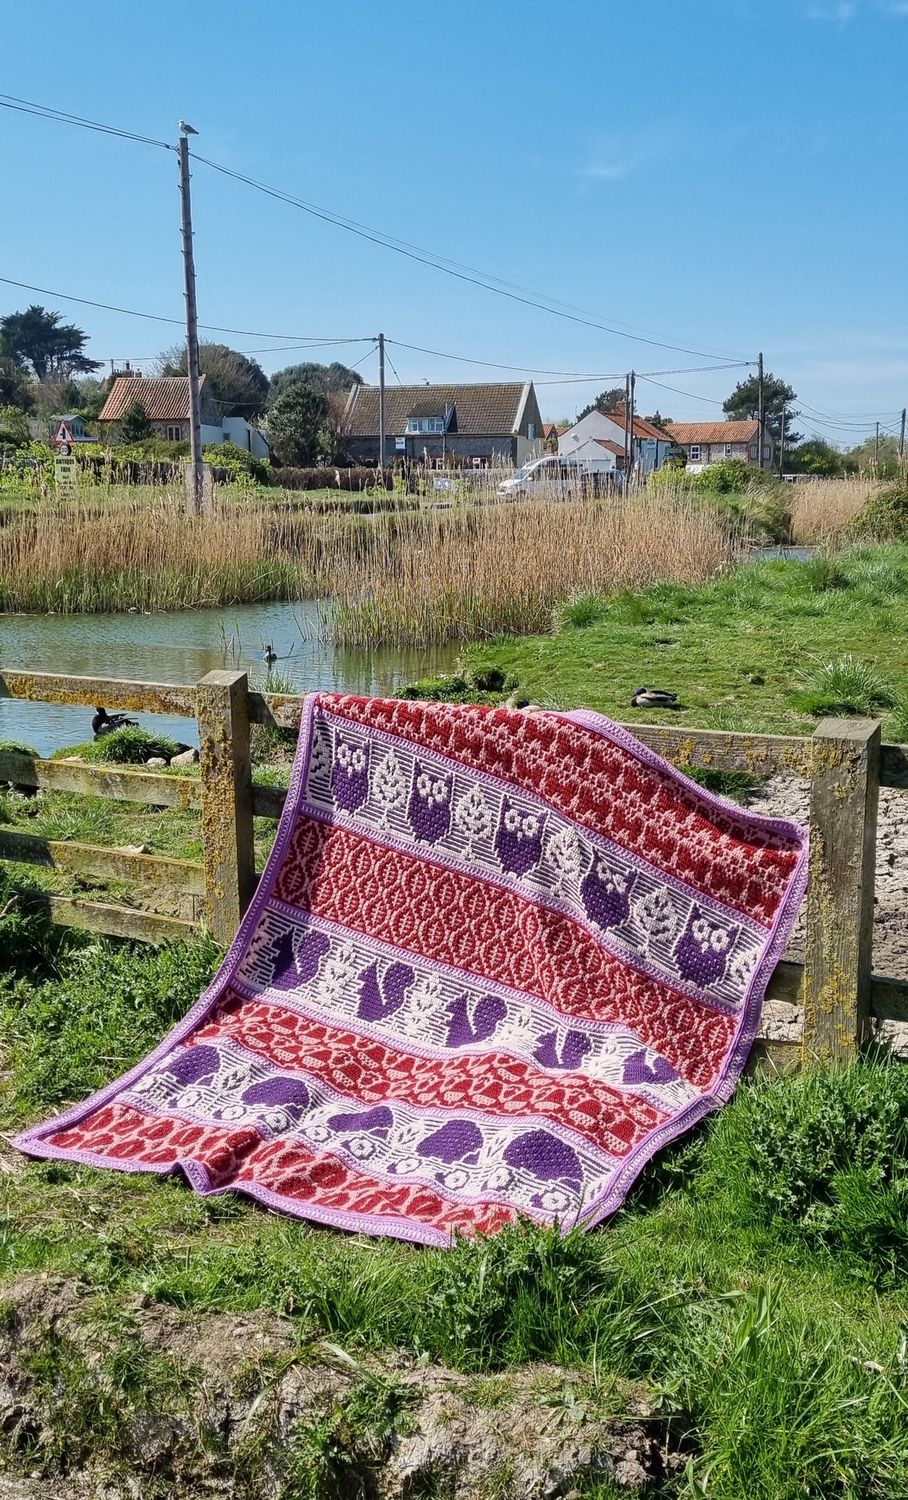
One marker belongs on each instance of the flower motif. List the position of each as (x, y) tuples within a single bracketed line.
[(456, 1179), (189, 1097), (232, 1112), (500, 1178), (319, 1133), (408, 1166)]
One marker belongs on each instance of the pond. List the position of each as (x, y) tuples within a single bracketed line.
[(181, 646)]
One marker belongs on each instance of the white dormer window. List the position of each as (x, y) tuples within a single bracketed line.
[(695, 453), (426, 424)]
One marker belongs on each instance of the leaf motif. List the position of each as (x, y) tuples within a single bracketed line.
[(654, 917), (566, 857), (337, 971), (390, 786), (473, 817)]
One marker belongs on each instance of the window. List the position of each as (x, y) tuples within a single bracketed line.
[(752, 453), (531, 431), (426, 424), (695, 453), (728, 450), (174, 434)]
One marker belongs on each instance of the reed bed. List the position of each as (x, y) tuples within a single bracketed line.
[(822, 508), (408, 577)]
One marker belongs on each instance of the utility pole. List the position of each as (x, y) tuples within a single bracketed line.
[(876, 448), (902, 437), (782, 444), (761, 411), (195, 482), (381, 402), (628, 427)]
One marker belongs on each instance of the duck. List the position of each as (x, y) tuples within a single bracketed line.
[(654, 698), (105, 723), (269, 654)]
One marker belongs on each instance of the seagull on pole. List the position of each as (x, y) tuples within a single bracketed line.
[(186, 129)]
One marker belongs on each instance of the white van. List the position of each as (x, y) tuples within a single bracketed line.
[(563, 476)]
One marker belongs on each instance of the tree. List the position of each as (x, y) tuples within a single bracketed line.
[(237, 383), (90, 398), (134, 424), (14, 431), (297, 426), (607, 402), (817, 456), (657, 420), (39, 341), (743, 405), (327, 379)]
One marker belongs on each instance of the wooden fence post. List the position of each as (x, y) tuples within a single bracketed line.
[(844, 793), (222, 709)]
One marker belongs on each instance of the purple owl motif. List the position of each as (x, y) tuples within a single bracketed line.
[(350, 774), (381, 997), (429, 807), (606, 893), (518, 838), (703, 949)]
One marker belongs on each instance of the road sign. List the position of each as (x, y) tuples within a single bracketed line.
[(63, 437), (66, 475)]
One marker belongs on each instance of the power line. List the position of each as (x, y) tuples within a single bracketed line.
[(45, 112), (691, 394), (131, 312), (490, 364)]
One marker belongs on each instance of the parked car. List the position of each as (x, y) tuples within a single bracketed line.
[(562, 475)]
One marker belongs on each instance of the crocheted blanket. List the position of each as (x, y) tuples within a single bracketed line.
[(496, 960)]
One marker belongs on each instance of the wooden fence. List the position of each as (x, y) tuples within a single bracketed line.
[(845, 760)]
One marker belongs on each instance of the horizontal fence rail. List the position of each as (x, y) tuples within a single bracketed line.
[(833, 999)]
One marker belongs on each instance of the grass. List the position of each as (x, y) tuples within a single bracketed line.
[(754, 1283), (766, 647), (821, 509)]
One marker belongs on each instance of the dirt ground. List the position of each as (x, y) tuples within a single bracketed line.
[(789, 797)]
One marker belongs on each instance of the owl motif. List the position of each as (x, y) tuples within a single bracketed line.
[(518, 838), (606, 893), (350, 774), (703, 949), (429, 807)]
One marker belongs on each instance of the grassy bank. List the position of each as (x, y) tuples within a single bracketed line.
[(754, 1285), (767, 647)]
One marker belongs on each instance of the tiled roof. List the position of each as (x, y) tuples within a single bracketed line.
[(481, 410), (641, 429), (685, 433), (164, 400), (612, 447)]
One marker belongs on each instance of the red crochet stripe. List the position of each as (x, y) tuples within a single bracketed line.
[(602, 786), (234, 1157), (369, 1071), (471, 924)]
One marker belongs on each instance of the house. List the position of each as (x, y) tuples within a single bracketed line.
[(650, 445), (441, 425), (68, 429), (166, 403), (711, 442)]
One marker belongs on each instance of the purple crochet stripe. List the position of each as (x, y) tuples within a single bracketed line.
[(32, 1141)]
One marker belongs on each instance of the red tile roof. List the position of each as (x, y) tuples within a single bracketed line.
[(164, 400), (491, 410), (685, 433), (612, 447)]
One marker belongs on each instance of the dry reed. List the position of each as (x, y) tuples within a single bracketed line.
[(822, 508), (412, 576)]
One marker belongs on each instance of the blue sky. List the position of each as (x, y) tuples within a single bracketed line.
[(722, 174)]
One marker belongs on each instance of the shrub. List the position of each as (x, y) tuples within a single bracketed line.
[(845, 686), (585, 609), (333, 476), (131, 746), (230, 461), (885, 516)]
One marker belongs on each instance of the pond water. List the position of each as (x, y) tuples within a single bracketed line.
[(181, 646)]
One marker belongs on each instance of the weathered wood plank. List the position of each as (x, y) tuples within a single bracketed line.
[(844, 794), (894, 766), (760, 754), (106, 692), (773, 1056), (785, 983), (268, 801), (115, 921), (276, 710), (171, 876), (116, 783), (889, 998), (226, 775)]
